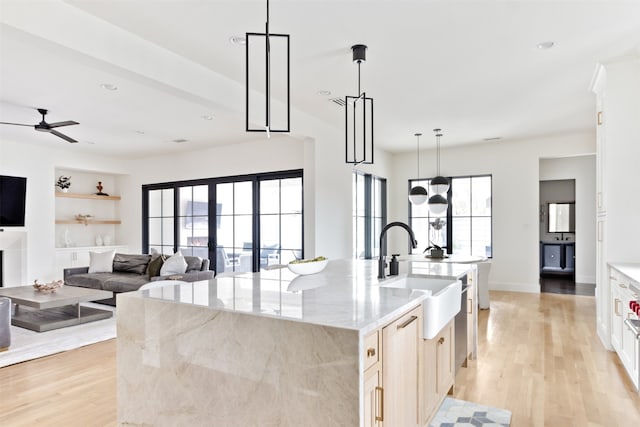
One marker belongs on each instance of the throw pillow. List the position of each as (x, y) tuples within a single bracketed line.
[(131, 263), (174, 265), (155, 265), (101, 262), (194, 263)]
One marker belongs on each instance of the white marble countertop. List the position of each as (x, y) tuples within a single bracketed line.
[(629, 269), (343, 295)]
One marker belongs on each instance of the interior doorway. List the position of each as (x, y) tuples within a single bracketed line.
[(566, 237), (557, 235)]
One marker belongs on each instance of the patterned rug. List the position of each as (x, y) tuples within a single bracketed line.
[(459, 413)]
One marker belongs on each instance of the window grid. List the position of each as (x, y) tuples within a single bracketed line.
[(159, 204), (468, 219)]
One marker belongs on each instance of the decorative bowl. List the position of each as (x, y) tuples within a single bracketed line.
[(308, 267), (47, 288)]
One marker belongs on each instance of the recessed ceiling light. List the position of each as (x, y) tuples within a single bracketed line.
[(180, 141), (109, 86), (140, 132), (206, 117), (238, 40), (546, 45), (324, 92)]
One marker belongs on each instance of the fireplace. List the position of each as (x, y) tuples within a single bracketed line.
[(13, 257)]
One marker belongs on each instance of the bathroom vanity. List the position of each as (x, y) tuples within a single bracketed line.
[(335, 348)]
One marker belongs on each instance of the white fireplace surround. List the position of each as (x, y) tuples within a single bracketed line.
[(13, 244)]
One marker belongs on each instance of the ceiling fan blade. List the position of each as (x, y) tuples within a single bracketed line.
[(59, 124), (16, 124), (63, 136)]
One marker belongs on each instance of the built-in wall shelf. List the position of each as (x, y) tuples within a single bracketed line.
[(85, 196), (89, 221)]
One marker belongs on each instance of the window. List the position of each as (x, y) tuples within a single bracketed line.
[(160, 217), (468, 221), (240, 223), (369, 214)]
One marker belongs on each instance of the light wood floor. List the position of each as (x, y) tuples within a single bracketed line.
[(539, 357)]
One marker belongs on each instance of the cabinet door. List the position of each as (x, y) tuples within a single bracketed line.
[(471, 312), (400, 359), (438, 370), (373, 409), (445, 359), (628, 338), (551, 256), (616, 317), (82, 258), (569, 257), (429, 397), (64, 260)]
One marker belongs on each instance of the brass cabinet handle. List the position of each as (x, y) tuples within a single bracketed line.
[(599, 118), (380, 404), (407, 322), (615, 308), (470, 306), (441, 340), (371, 352)]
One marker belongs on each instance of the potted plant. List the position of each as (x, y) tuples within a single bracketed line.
[(64, 182)]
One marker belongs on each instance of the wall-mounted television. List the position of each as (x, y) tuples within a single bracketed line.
[(13, 194)]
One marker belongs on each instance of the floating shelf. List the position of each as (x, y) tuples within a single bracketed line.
[(89, 221), (85, 196)]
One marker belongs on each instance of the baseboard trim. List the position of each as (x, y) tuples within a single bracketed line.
[(515, 287), (585, 280)]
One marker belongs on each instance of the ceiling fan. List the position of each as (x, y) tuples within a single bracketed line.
[(43, 126)]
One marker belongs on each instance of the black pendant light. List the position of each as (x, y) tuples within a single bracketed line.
[(268, 47), (438, 185), (359, 119), (418, 194)]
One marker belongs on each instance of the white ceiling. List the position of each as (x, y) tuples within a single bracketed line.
[(469, 67)]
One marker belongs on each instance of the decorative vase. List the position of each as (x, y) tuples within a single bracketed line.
[(99, 241), (64, 190)]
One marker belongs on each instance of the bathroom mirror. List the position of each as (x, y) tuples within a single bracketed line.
[(562, 217)]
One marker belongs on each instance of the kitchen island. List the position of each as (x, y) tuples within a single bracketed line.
[(261, 349)]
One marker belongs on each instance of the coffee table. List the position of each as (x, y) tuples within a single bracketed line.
[(42, 312)]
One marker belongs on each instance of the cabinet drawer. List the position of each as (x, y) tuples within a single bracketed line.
[(371, 349)]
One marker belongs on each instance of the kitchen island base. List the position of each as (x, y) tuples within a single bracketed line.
[(185, 365)]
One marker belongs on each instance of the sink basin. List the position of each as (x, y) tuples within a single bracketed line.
[(440, 307)]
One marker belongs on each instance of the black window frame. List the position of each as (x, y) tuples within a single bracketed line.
[(449, 215), (255, 179), (369, 238)]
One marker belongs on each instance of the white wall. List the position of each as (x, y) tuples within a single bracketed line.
[(514, 166), (38, 164), (582, 169)]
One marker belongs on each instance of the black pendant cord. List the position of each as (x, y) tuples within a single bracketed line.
[(418, 151), (359, 92), (268, 74)]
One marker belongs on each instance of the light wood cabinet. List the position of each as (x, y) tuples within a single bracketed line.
[(438, 371), (373, 397), (401, 362)]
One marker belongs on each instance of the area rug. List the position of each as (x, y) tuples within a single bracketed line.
[(459, 413), (28, 345)]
